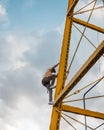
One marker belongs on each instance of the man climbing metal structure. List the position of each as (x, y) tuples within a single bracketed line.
[(62, 89), (48, 81)]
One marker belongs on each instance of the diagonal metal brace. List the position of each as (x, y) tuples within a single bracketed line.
[(80, 74)]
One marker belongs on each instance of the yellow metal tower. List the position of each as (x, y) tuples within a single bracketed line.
[(79, 19)]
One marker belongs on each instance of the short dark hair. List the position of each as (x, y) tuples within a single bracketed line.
[(53, 70)]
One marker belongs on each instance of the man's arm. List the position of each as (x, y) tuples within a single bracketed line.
[(55, 65)]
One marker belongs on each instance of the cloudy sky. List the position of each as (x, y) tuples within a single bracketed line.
[(31, 33)]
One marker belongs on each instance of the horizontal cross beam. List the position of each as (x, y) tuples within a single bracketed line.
[(89, 25), (81, 111)]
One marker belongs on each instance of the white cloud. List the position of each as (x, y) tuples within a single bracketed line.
[(2, 11), (21, 91), (18, 47), (4, 21), (13, 49), (24, 116)]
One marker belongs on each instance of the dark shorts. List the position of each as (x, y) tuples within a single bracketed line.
[(45, 81), (49, 80)]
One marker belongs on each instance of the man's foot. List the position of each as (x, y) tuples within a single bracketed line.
[(50, 103), (52, 87)]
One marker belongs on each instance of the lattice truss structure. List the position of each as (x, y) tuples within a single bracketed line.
[(79, 93)]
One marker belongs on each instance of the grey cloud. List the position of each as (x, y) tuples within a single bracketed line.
[(19, 82), (48, 50), (4, 50), (26, 80)]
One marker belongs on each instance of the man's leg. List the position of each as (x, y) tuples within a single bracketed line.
[(50, 95), (46, 82), (53, 77), (50, 92)]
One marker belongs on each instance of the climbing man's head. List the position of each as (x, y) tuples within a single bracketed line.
[(53, 70)]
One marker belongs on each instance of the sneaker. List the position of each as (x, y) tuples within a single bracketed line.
[(50, 103), (52, 87)]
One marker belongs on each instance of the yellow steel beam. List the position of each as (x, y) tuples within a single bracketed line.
[(64, 54), (89, 25), (81, 111), (82, 71), (55, 118), (72, 7)]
